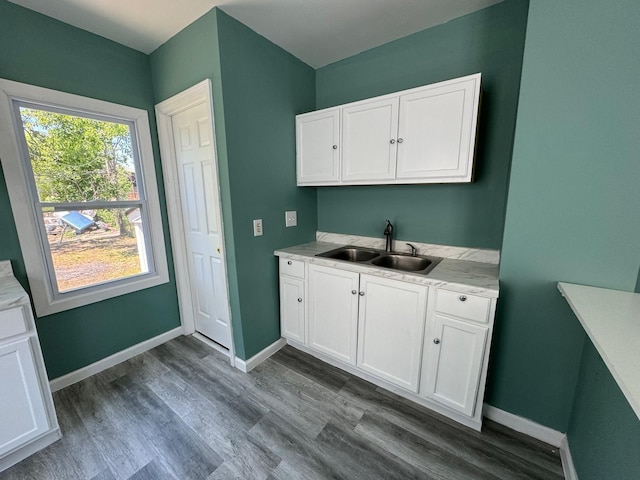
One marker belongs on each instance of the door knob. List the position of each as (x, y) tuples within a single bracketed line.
[(400, 140), (392, 141), (462, 298), (361, 294), (335, 147), (353, 292), (299, 300), (436, 341)]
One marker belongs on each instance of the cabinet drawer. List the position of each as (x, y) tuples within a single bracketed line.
[(463, 305), (293, 268), (12, 323)]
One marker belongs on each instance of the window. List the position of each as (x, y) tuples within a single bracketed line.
[(81, 180)]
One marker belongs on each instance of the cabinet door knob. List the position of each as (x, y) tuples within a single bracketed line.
[(335, 147), (353, 292), (299, 300), (436, 341), (400, 140), (462, 298), (289, 262), (361, 294), (392, 141)]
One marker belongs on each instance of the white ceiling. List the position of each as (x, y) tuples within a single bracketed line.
[(317, 32)]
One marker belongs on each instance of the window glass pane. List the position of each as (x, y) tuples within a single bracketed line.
[(79, 159), (89, 247)]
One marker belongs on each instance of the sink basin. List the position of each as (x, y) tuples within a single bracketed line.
[(402, 262), (351, 254)]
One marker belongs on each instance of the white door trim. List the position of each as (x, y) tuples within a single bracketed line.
[(195, 95)]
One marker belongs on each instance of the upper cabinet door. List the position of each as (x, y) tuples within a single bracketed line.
[(318, 147), (437, 132), (369, 137)]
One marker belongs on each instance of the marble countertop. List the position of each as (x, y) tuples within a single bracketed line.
[(611, 318), (11, 292), (465, 276)]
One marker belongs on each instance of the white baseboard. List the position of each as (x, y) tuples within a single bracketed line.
[(258, 358), (112, 360), (524, 425), (567, 460)]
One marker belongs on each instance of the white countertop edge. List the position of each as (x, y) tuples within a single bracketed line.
[(432, 279), (610, 332)]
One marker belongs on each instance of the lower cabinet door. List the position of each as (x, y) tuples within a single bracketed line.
[(453, 363), (292, 307), (390, 329), (22, 411), (333, 312)]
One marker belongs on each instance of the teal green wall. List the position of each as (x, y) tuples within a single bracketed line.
[(41, 51), (186, 59), (572, 216), (258, 90), (489, 41), (264, 88), (604, 433)]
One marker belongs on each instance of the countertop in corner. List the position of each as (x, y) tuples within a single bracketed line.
[(11, 292)]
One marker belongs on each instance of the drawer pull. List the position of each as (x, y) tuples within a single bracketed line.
[(353, 292), (289, 262), (436, 341), (462, 298), (361, 294)]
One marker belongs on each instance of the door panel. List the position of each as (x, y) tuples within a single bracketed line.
[(201, 213), (455, 363), (22, 411), (437, 127), (368, 132), (292, 308), (318, 147), (333, 312), (390, 329)]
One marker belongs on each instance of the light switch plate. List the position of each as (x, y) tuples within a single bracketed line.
[(291, 218), (257, 227)]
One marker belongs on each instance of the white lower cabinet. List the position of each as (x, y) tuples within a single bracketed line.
[(390, 329), (428, 344), (292, 308), (23, 414), (333, 312), (453, 365), (27, 415)]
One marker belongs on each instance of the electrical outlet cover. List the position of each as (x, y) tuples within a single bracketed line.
[(291, 218), (257, 227)]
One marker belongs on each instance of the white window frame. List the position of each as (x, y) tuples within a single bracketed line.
[(47, 300)]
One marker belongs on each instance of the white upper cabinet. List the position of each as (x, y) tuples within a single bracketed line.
[(436, 132), (369, 146), (317, 147), (423, 135)]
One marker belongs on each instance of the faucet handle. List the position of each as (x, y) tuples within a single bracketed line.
[(414, 250)]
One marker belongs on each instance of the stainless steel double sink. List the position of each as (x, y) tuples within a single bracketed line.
[(420, 264)]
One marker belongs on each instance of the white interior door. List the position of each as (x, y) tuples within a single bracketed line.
[(202, 225)]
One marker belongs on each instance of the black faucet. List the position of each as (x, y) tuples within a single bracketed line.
[(388, 232)]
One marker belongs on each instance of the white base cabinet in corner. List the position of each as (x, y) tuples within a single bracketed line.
[(27, 417)]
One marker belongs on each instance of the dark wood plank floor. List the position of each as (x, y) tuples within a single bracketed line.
[(181, 412)]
